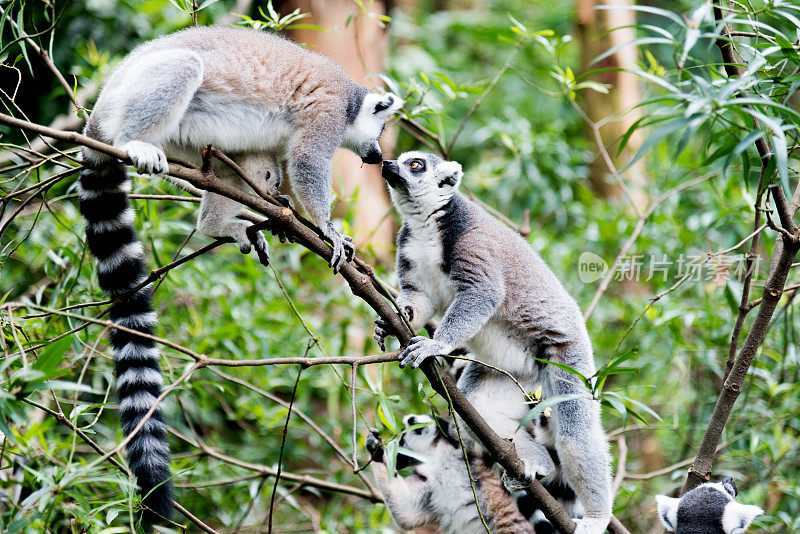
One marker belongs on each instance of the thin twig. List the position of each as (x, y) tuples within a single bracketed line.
[(483, 95), (280, 454)]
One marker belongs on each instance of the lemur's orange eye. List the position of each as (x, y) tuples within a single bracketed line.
[(416, 165)]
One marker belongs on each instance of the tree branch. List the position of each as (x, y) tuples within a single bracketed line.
[(781, 263)]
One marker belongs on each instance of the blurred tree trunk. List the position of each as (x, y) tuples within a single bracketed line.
[(616, 107), (355, 41)]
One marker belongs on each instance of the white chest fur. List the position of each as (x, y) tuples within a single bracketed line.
[(424, 250), (494, 346)]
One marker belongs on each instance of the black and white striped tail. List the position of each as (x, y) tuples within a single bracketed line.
[(112, 239)]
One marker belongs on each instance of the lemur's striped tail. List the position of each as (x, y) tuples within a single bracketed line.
[(112, 239)]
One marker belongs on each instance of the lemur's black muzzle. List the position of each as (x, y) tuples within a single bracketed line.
[(372, 157), (390, 171)]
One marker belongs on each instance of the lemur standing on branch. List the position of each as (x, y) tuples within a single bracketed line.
[(709, 508), (260, 99), (439, 492), (499, 297)]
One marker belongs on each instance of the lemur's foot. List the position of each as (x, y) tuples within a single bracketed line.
[(259, 242), (381, 332), (420, 348), (147, 158), (375, 445), (343, 247), (280, 232), (515, 484)]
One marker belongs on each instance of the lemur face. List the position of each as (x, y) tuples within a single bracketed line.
[(427, 437), (421, 178), (362, 135), (710, 508)]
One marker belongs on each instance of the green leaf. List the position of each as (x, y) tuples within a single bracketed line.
[(4, 297), (656, 80), (111, 515), (385, 413), (692, 35), (619, 406), (52, 356), (635, 42), (390, 452), (64, 385), (413, 454), (638, 404), (18, 524), (546, 403), (23, 43), (653, 10), (668, 128), (695, 122), (596, 86), (4, 428), (520, 26), (730, 298), (743, 145)]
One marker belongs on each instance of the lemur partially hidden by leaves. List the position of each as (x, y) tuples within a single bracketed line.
[(497, 296), (483, 385), (439, 492), (260, 99), (710, 508)]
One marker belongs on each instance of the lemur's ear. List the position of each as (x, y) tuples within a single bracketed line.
[(737, 517), (729, 486), (388, 104), (668, 511), (450, 174)]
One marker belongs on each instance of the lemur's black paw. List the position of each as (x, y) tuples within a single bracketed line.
[(409, 311), (375, 445), (260, 244), (381, 332), (285, 200), (280, 232), (349, 248)]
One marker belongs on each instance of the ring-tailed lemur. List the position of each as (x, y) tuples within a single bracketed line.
[(439, 491), (710, 508), (256, 96), (251, 94), (493, 391), (499, 297)]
